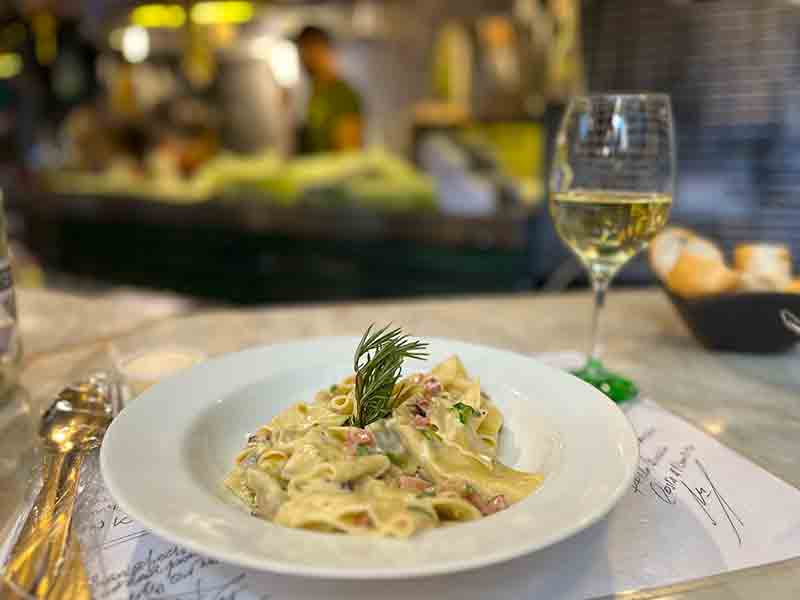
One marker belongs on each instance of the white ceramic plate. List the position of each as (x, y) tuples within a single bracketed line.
[(165, 455)]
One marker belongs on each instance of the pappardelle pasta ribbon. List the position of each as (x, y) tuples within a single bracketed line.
[(433, 461)]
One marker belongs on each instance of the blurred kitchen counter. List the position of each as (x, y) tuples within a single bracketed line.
[(251, 214), (247, 250), (749, 403)]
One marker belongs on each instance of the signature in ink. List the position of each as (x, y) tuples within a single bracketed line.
[(704, 496), (645, 468), (665, 489)]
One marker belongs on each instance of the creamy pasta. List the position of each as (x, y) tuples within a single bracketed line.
[(432, 462)]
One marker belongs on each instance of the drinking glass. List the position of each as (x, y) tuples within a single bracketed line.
[(611, 189)]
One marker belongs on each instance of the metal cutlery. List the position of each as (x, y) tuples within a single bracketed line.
[(45, 560)]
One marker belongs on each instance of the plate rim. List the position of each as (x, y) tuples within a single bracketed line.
[(283, 567)]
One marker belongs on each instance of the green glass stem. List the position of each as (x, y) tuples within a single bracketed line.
[(616, 387)]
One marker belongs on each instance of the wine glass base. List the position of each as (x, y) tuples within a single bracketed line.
[(615, 386)]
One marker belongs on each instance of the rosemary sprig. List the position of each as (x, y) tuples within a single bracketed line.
[(378, 359)]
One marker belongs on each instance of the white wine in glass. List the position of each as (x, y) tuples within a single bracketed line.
[(606, 229), (610, 194)]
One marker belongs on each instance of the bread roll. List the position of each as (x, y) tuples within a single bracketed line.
[(793, 287), (748, 282), (665, 249), (696, 274), (763, 267)]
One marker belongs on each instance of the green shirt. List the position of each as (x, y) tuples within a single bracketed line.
[(329, 103)]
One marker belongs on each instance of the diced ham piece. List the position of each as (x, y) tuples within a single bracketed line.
[(478, 502), (415, 408), (408, 482), (489, 507), (421, 422), (432, 386), (358, 437), (423, 403), (362, 520), (497, 504)]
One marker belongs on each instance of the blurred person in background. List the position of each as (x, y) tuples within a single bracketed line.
[(334, 119)]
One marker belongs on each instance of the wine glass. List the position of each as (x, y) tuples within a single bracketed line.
[(611, 189)]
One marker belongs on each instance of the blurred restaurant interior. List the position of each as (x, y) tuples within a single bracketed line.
[(202, 202), (247, 152)]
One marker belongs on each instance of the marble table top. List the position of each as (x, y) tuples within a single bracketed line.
[(749, 403)]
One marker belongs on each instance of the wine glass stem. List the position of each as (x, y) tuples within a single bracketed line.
[(600, 287)]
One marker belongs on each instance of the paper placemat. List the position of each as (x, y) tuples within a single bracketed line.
[(695, 509)]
